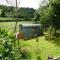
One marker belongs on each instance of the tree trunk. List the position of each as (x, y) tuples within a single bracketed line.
[(15, 26), (16, 18)]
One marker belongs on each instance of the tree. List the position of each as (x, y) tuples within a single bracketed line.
[(15, 12), (6, 11), (26, 12), (44, 13), (3, 13), (55, 4), (36, 17), (50, 14)]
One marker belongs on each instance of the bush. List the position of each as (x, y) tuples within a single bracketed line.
[(3, 32), (10, 49)]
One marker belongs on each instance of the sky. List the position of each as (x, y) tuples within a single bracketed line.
[(25, 3)]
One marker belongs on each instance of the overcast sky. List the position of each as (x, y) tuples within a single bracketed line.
[(25, 3)]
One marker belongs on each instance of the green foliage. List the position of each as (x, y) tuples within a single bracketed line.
[(36, 17), (56, 16), (3, 33), (7, 49), (44, 13), (3, 13), (26, 13), (10, 11), (10, 49), (6, 11), (50, 15)]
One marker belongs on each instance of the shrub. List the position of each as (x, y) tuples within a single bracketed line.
[(3, 33)]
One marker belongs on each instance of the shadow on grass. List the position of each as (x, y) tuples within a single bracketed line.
[(33, 37), (55, 39)]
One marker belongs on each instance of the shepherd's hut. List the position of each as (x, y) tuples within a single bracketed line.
[(30, 30)]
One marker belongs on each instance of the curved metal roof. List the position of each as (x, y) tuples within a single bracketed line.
[(30, 25)]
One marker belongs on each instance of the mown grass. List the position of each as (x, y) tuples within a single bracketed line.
[(10, 25), (6, 18), (44, 47)]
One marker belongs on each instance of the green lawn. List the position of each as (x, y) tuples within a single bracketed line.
[(6, 18), (45, 48), (10, 25), (10, 19)]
